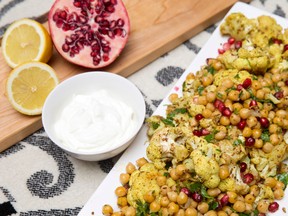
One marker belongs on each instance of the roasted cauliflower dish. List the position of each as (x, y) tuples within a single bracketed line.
[(222, 147)]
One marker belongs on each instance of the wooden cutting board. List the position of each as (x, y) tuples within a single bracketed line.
[(157, 26)]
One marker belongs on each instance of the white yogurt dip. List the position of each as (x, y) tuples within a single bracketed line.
[(94, 121)]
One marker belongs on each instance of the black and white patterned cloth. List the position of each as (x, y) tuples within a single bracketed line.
[(38, 178)]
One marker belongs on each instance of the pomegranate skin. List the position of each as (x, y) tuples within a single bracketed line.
[(89, 33)]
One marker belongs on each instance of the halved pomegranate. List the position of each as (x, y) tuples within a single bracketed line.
[(90, 33)]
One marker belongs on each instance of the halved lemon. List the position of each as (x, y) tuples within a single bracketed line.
[(28, 86), (26, 40)]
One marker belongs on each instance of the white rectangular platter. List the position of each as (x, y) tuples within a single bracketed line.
[(105, 192)]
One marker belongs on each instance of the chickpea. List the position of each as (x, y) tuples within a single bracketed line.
[(193, 203), (227, 83), (191, 212), (256, 85), (262, 206), (244, 95), (124, 178), (234, 214), (270, 181), (211, 213), (107, 210), (278, 194), (165, 212), (130, 168), (130, 211), (210, 106), (264, 113), (267, 147), (161, 180), (233, 95), (213, 192), (276, 78), (239, 206), (251, 121), (141, 161), (173, 174), (210, 96), (173, 97), (247, 132), (237, 107), (207, 113), (228, 103), (164, 201), (202, 100), (224, 120), (248, 207), (256, 133), (173, 208), (182, 198), (260, 94), (271, 115), (274, 139), (232, 196), (122, 201), (172, 195), (181, 212), (164, 190), (222, 213), (227, 210), (120, 191), (279, 185), (254, 190), (149, 197), (244, 113), (180, 169), (234, 119), (281, 113), (224, 172), (154, 206), (207, 80), (249, 198), (220, 135), (203, 207), (117, 214), (258, 143)]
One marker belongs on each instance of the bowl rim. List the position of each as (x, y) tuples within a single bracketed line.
[(139, 124)]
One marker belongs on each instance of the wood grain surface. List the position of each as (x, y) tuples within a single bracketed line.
[(156, 27)]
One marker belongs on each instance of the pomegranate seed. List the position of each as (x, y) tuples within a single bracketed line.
[(247, 83), (226, 46), (186, 191), (224, 200), (248, 178), (204, 132), (238, 44), (239, 87), (264, 122), (221, 107), (199, 116), (217, 102), (197, 133), (253, 103), (227, 112), (273, 207), (231, 40), (221, 51), (279, 95), (196, 197), (277, 41), (243, 167), (241, 125), (249, 141), (286, 82), (285, 47)]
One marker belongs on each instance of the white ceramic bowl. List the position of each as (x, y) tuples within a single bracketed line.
[(86, 83)]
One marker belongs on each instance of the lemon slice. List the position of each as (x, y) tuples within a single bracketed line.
[(28, 86), (26, 40)]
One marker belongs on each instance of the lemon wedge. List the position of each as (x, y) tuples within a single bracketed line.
[(26, 40), (28, 86)]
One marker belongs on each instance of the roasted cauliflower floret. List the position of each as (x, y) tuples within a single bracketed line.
[(154, 123), (265, 192), (141, 182), (205, 159), (237, 25), (266, 163), (234, 182), (168, 144), (231, 152), (236, 76)]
